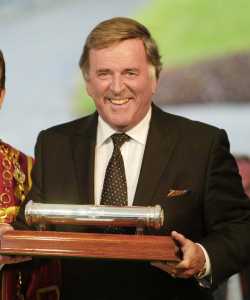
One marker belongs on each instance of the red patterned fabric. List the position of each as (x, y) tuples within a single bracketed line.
[(41, 282), (37, 281), (14, 181), (45, 282)]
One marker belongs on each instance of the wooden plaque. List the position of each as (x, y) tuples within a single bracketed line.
[(88, 245)]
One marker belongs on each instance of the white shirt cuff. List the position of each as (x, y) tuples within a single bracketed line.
[(207, 266)]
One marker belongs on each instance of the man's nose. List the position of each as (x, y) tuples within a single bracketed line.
[(117, 84)]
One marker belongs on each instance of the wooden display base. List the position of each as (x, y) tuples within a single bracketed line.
[(88, 245)]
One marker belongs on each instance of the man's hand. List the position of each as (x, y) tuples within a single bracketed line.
[(192, 262), (5, 259)]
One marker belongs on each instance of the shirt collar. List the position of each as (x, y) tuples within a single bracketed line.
[(138, 133)]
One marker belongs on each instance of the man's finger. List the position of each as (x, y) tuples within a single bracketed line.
[(179, 238), (5, 227)]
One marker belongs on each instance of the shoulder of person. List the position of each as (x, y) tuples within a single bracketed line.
[(79, 125), (21, 155), (10, 150), (186, 126)]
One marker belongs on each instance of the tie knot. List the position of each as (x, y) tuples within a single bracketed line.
[(119, 139)]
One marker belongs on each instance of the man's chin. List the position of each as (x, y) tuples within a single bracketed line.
[(120, 126)]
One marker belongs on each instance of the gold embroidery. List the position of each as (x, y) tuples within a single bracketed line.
[(5, 199), (8, 214), (6, 163), (11, 171), (29, 168), (7, 175)]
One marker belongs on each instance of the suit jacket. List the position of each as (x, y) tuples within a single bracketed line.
[(180, 154)]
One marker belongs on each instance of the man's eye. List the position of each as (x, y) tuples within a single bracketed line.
[(131, 74), (103, 74)]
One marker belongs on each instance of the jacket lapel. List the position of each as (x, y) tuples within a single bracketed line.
[(83, 149), (160, 144)]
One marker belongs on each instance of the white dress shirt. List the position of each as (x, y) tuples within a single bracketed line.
[(132, 152)]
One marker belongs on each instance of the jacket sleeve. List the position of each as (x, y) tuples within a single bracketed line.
[(226, 213)]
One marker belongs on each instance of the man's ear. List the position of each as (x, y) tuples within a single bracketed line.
[(154, 80), (154, 84), (2, 94)]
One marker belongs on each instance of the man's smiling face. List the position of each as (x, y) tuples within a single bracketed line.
[(121, 82)]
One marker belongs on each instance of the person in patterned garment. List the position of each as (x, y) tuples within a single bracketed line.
[(15, 167), (15, 182)]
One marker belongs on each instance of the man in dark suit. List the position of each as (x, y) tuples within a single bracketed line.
[(184, 166)]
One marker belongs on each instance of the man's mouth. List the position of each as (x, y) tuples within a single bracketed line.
[(119, 101)]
